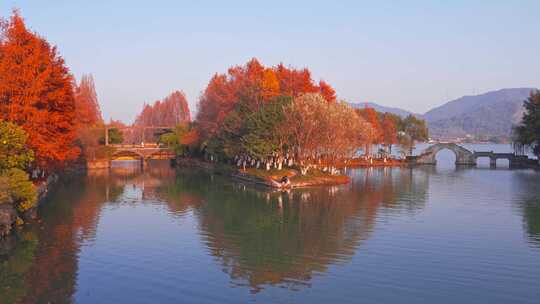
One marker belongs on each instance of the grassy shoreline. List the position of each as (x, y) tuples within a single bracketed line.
[(270, 178)]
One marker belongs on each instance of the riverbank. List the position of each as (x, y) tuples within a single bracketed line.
[(375, 162), (10, 218), (273, 178)]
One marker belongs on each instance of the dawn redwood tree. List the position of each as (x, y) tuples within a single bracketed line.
[(36, 93), (327, 91), (172, 111), (88, 120), (371, 116), (389, 131), (294, 82), (87, 111)]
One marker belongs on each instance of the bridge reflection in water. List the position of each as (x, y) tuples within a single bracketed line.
[(143, 153), (465, 157)]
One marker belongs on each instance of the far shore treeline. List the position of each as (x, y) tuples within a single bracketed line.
[(251, 116)]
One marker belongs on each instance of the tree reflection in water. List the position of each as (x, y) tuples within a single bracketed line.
[(526, 187), (258, 236), (285, 239)]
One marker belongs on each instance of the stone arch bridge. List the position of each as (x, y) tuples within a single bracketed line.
[(142, 152), (465, 157)]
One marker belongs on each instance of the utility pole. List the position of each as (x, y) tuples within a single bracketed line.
[(143, 131), (106, 136)]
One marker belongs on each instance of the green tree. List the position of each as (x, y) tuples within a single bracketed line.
[(527, 134), (264, 134), (175, 138), (230, 135), (14, 152), (19, 191), (115, 137), (414, 130), (15, 187)]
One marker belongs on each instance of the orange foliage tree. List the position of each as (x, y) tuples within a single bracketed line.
[(252, 84), (172, 111), (87, 108), (375, 137), (88, 120), (36, 93), (389, 131), (318, 134)]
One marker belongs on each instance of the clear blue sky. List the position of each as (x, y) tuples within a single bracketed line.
[(409, 54)]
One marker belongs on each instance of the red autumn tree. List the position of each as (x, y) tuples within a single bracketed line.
[(252, 84), (36, 93), (370, 115), (294, 82), (389, 131), (217, 100), (172, 111), (87, 111), (327, 91)]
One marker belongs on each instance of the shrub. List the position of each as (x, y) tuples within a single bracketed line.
[(13, 150), (15, 188)]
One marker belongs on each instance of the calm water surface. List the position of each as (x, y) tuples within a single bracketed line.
[(427, 235)]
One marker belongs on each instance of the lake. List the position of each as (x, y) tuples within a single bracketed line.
[(393, 235)]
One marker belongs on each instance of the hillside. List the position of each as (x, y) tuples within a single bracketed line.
[(490, 114), (380, 108)]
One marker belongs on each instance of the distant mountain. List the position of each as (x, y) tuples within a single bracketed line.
[(380, 108), (490, 114)]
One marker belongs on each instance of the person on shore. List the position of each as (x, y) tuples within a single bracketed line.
[(285, 182)]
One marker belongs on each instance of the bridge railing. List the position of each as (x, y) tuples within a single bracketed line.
[(149, 146)]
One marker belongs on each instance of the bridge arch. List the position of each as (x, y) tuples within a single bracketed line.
[(126, 153), (463, 156)]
